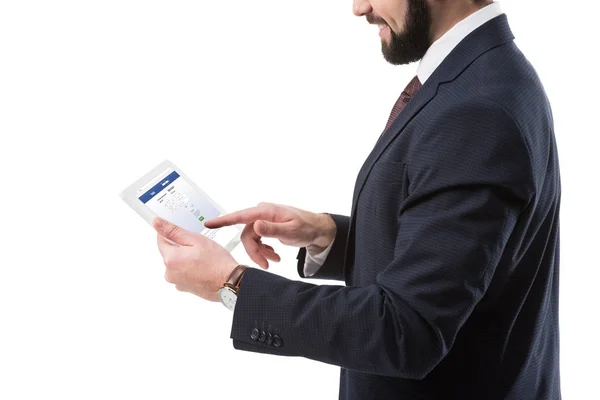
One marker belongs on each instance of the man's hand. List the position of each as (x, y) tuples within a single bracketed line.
[(292, 226), (198, 265)]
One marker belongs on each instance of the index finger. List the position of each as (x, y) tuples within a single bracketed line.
[(247, 216)]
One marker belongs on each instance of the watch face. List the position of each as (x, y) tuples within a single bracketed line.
[(228, 297)]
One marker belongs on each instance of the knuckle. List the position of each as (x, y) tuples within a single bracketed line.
[(267, 210), (169, 277), (173, 231), (246, 233), (170, 261), (268, 215), (295, 227)]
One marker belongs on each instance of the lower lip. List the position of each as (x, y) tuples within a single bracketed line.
[(385, 32)]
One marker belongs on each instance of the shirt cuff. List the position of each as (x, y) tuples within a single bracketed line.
[(313, 262)]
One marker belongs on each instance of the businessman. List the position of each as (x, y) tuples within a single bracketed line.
[(450, 255)]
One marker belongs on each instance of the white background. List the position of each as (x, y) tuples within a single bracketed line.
[(272, 101)]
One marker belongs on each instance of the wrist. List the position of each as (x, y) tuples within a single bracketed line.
[(229, 292), (227, 271), (326, 231)]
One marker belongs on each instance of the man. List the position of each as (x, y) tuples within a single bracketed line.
[(450, 254)]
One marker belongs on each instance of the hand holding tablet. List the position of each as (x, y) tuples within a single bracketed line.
[(167, 192)]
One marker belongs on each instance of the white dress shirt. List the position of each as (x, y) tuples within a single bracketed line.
[(432, 59)]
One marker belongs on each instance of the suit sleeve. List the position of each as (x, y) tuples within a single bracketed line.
[(333, 267), (470, 177)]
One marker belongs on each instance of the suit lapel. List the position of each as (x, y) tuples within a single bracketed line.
[(412, 108)]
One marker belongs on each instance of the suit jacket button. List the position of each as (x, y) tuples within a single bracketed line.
[(277, 342), (269, 339), (262, 337), (254, 335)]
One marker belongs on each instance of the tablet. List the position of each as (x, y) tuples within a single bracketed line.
[(167, 192)]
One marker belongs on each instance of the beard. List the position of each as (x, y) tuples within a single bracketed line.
[(411, 44)]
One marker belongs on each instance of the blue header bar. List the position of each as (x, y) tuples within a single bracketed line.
[(146, 197)]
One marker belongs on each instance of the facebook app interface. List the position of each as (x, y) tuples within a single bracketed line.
[(172, 198)]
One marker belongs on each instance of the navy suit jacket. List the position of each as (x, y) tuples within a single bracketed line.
[(451, 254)]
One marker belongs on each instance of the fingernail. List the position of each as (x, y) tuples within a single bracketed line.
[(261, 226)]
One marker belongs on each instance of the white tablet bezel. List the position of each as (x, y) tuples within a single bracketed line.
[(129, 196)]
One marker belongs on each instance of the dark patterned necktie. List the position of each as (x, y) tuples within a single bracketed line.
[(411, 89)]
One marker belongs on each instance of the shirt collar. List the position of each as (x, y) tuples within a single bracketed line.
[(440, 49)]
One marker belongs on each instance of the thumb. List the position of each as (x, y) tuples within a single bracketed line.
[(172, 232), (272, 229)]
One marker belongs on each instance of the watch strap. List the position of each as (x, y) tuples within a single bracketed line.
[(236, 276)]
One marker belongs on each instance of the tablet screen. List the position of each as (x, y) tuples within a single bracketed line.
[(172, 198)]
